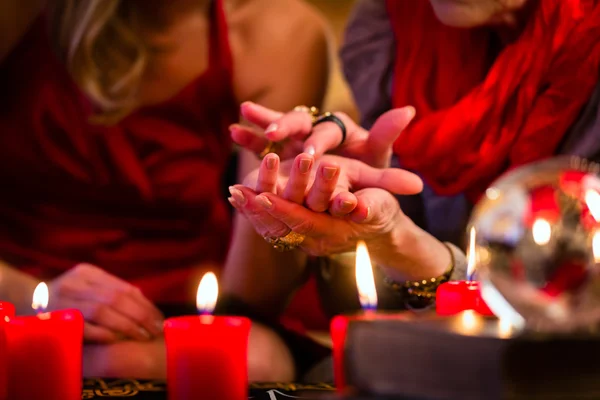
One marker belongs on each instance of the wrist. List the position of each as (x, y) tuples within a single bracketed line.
[(407, 252)]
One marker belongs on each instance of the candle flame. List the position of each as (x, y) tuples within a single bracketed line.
[(541, 231), (592, 199), (596, 246), (367, 294), (208, 291), (471, 256), (40, 297)]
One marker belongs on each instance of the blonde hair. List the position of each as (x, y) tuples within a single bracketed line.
[(100, 44)]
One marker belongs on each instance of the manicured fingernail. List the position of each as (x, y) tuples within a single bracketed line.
[(304, 165), (145, 333), (347, 205), (264, 201), (410, 110), (329, 172), (310, 150), (237, 195), (271, 161), (271, 128), (232, 201)]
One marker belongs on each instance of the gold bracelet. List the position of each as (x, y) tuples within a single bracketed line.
[(424, 288)]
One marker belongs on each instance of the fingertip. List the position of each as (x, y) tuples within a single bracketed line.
[(410, 112), (361, 213), (310, 150)]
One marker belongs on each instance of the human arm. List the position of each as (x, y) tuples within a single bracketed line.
[(15, 19)]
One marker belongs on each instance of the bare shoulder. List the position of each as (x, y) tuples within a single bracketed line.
[(275, 38)]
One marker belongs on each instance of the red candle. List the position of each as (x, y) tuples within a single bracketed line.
[(457, 296), (368, 299), (44, 353), (207, 355), (7, 310)]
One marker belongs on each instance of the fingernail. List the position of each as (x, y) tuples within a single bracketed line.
[(346, 205), (271, 160), (368, 213), (329, 172), (232, 201), (410, 110), (310, 150), (264, 202), (145, 333), (237, 195), (271, 128), (305, 164)]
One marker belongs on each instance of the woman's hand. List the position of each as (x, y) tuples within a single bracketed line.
[(295, 130), (113, 309)]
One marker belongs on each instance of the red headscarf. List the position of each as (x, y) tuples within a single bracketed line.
[(478, 116)]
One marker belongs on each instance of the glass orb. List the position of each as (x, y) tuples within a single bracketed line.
[(537, 246)]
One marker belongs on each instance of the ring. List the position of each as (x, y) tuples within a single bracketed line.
[(271, 147), (312, 111), (329, 117), (286, 243)]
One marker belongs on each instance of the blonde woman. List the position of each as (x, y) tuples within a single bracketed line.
[(114, 147)]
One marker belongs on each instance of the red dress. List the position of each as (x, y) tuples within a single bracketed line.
[(141, 199)]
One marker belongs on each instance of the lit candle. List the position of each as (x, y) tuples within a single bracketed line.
[(46, 347), (457, 296), (367, 296), (206, 354), (7, 310)]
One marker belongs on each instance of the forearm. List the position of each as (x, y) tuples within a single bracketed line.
[(17, 288)]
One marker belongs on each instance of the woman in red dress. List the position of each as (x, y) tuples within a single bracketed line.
[(114, 149)]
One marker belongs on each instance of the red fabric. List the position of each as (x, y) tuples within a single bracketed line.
[(141, 199), (479, 113)]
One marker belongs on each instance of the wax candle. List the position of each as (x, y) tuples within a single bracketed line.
[(7, 310), (206, 354), (367, 295), (44, 352), (457, 296)]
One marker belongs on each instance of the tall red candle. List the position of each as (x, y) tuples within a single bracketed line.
[(206, 354), (7, 310), (44, 353)]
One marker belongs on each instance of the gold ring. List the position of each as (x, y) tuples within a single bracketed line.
[(271, 147), (312, 111), (286, 243)]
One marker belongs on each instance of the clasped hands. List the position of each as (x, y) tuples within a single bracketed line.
[(334, 195)]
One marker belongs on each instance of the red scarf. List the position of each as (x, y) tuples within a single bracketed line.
[(478, 116)]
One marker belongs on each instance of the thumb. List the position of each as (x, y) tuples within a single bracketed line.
[(387, 128)]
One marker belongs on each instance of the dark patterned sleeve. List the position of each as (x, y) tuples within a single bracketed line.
[(367, 58)]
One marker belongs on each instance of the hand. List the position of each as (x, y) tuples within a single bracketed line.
[(113, 309), (295, 130), (366, 214)]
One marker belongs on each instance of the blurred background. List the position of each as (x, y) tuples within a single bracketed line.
[(336, 12)]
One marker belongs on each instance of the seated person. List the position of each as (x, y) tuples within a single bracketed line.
[(114, 149), (494, 85)]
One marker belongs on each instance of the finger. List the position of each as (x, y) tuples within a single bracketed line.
[(107, 317), (295, 189), (254, 210), (374, 206), (343, 203), (128, 305), (295, 216), (295, 124), (98, 334), (327, 136), (387, 128), (258, 115), (323, 187), (394, 180), (267, 174), (248, 137)]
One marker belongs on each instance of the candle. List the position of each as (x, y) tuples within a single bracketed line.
[(456, 296), (7, 310), (206, 354), (44, 352), (367, 295)]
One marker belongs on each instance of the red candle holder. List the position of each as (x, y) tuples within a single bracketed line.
[(457, 296), (7, 310)]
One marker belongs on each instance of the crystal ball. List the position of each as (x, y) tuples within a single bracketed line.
[(535, 246)]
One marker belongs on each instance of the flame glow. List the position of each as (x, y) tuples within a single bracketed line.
[(208, 292), (471, 255), (504, 328), (541, 231), (470, 321), (367, 294), (40, 297), (592, 199), (596, 246)]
